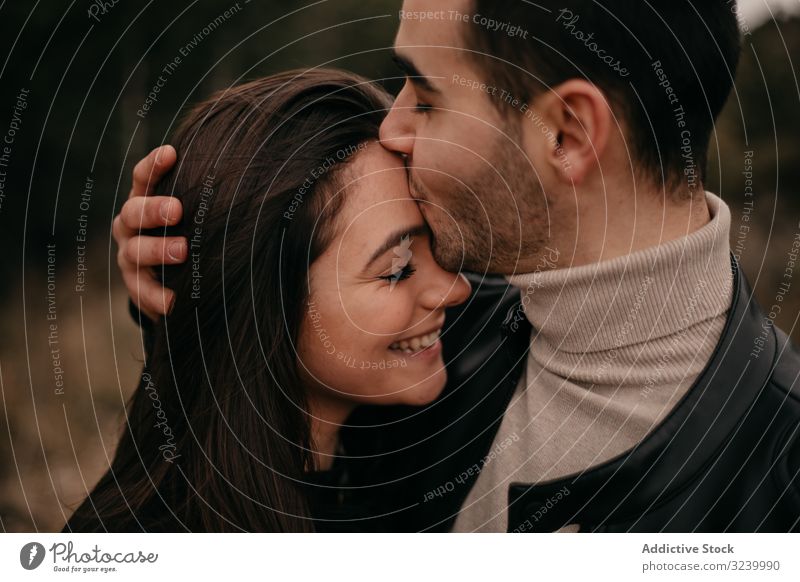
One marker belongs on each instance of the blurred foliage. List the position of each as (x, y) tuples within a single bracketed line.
[(761, 116)]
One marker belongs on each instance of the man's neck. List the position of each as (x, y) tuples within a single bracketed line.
[(633, 299), (631, 222)]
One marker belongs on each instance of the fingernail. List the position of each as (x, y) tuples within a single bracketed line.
[(176, 250), (166, 210)]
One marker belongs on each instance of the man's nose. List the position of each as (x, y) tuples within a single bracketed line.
[(397, 132)]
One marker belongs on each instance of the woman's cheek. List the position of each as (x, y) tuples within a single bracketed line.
[(385, 312)]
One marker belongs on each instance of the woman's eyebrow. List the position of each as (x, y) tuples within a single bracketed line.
[(394, 239)]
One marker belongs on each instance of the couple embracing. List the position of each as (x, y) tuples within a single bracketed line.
[(502, 301)]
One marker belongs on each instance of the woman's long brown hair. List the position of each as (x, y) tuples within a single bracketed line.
[(217, 436)]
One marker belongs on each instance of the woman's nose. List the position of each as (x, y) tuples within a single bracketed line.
[(448, 290), (459, 291), (397, 130)]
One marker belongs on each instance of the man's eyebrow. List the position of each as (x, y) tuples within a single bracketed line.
[(394, 240), (412, 72)]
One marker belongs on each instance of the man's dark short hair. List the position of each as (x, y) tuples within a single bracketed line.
[(666, 66)]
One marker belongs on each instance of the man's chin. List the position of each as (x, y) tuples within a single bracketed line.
[(448, 257)]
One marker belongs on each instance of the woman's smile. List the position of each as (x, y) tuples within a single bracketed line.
[(424, 344)]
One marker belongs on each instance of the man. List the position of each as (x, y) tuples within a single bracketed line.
[(563, 145)]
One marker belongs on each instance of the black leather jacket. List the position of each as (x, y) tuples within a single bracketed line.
[(727, 458)]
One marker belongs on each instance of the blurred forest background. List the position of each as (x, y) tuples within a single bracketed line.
[(82, 70)]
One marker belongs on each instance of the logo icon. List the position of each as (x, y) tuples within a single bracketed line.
[(402, 256), (31, 555)]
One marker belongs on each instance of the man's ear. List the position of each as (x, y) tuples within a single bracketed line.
[(579, 119)]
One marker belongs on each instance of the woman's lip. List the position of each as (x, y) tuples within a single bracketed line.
[(424, 333), (431, 351)]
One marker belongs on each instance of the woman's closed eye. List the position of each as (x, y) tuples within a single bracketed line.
[(399, 274)]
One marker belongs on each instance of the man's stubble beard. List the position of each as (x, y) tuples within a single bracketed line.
[(463, 235)]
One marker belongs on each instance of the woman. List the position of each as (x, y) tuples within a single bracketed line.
[(310, 289)]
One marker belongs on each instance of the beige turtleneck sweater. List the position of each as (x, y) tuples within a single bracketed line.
[(615, 345)]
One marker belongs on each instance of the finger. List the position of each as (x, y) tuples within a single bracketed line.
[(152, 251), (150, 169), (140, 213), (147, 293), (118, 229)]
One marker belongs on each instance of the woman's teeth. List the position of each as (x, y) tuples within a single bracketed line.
[(416, 344)]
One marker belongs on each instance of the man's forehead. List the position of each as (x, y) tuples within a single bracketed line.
[(461, 5), (432, 23)]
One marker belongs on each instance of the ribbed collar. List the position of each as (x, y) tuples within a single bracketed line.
[(649, 294)]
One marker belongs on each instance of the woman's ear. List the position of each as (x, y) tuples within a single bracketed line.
[(579, 119)]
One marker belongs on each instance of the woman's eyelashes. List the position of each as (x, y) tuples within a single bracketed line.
[(400, 274), (422, 107)]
